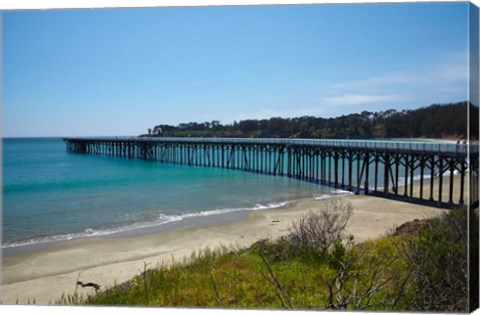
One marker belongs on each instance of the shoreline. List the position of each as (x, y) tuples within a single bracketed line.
[(46, 274), (186, 221), (200, 219)]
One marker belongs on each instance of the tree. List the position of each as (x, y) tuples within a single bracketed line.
[(435, 121), (248, 126), (215, 124)]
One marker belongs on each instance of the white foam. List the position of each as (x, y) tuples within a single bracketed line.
[(341, 192), (162, 219), (323, 197)]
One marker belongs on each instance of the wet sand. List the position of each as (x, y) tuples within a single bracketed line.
[(46, 274)]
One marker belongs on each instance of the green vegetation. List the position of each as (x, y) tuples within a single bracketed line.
[(435, 121), (437, 257), (312, 269)]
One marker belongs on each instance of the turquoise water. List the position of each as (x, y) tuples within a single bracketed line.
[(49, 194)]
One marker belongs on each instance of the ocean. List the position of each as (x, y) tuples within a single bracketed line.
[(50, 195)]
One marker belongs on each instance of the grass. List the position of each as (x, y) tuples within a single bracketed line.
[(263, 276), (387, 274)]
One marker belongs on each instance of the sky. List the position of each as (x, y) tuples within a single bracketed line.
[(103, 72)]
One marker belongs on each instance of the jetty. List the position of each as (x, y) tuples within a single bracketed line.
[(388, 169)]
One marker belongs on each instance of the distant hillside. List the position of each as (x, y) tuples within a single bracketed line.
[(434, 121)]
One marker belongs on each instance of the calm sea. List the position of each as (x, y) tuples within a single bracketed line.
[(49, 194)]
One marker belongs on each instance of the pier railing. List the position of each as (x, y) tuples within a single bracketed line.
[(420, 146), (385, 168)]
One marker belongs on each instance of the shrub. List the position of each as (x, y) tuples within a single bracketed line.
[(318, 231), (437, 257)]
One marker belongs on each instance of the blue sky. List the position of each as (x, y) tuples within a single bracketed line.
[(121, 71)]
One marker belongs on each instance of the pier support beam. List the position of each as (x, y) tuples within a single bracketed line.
[(331, 163)]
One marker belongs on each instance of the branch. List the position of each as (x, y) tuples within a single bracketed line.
[(277, 283), (217, 296)]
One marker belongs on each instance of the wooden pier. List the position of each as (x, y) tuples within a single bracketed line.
[(380, 168)]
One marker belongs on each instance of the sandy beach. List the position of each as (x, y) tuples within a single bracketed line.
[(43, 276)]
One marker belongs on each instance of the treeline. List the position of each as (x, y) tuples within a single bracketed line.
[(434, 121)]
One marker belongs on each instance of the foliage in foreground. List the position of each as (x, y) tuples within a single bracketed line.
[(437, 257), (421, 271)]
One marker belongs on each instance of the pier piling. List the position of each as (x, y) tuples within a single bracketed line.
[(327, 162)]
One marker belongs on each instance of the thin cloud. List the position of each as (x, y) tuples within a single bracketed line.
[(448, 75), (443, 81), (360, 99)]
